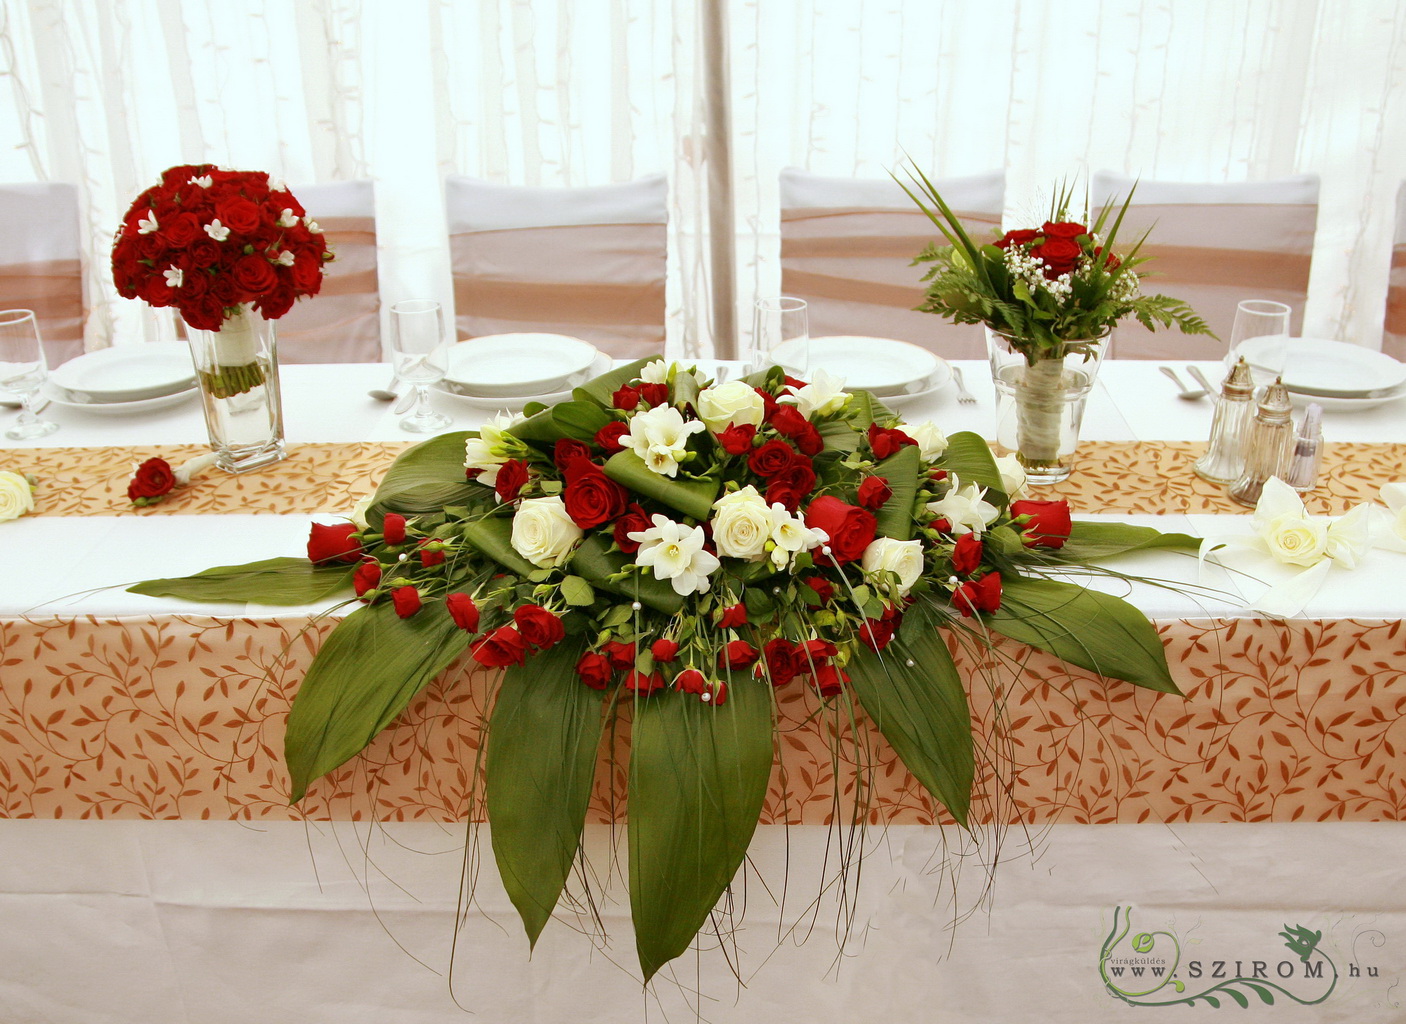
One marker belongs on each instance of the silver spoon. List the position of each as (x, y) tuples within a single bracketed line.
[(1195, 371), (1182, 390), (387, 394)]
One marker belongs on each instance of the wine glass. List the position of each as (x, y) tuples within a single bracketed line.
[(1260, 318), (781, 335), (22, 371), (421, 358)]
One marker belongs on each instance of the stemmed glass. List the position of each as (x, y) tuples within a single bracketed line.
[(421, 358), (1259, 318), (781, 335), (22, 370)]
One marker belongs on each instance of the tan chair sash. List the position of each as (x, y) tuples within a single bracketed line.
[(1394, 339), (603, 283), (53, 289), (342, 323)]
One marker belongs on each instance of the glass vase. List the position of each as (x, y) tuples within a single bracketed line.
[(1040, 404), (237, 368)]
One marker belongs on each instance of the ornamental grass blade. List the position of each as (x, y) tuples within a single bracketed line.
[(427, 477), (367, 671), (900, 469), (698, 778), (1091, 541), (1095, 631), (922, 711), (272, 581), (969, 458), (692, 497), (543, 739)]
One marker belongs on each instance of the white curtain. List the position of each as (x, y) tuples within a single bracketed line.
[(107, 93)]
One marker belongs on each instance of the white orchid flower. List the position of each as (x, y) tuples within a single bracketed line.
[(966, 508), (675, 553), (203, 181)]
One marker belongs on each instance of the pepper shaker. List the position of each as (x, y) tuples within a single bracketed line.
[(1267, 446), (1224, 460), (1306, 452)]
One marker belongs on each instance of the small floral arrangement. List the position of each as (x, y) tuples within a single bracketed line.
[(16, 495), (155, 478), (673, 550), (208, 241)]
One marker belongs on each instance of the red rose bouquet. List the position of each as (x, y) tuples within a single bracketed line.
[(685, 549)]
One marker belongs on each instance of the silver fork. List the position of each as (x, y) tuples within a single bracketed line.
[(963, 395)]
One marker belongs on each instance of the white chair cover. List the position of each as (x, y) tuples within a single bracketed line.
[(847, 245), (1213, 245), (586, 262), (41, 263), (342, 323), (1394, 337)]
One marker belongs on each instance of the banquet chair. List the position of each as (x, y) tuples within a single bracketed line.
[(41, 264), (586, 262), (1394, 336), (1213, 245), (342, 323), (847, 245)]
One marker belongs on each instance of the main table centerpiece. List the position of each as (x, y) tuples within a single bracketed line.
[(673, 550)]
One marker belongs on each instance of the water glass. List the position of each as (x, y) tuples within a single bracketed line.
[(22, 371), (781, 335), (1259, 318), (421, 357)]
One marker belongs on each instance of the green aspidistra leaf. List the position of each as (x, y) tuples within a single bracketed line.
[(900, 469), (272, 581), (693, 498), (493, 537), (601, 389), (969, 457), (1091, 541), (1095, 631), (698, 778), (426, 478), (596, 563), (542, 744)]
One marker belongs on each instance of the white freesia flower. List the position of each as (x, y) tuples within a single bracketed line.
[(904, 558), (660, 438), (1012, 476), (489, 450), (277, 184), (742, 524), (966, 508), (932, 442), (16, 496), (359, 510), (288, 219), (735, 402), (543, 533), (146, 225), (216, 230), (823, 395), (656, 371), (174, 276), (675, 553), (790, 535)]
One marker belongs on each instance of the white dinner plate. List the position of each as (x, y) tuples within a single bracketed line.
[(128, 373), (1333, 404), (1331, 368), (509, 403), (516, 365), (926, 388), (67, 401), (881, 366)]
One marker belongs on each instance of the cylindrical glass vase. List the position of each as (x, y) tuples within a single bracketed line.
[(237, 367), (1040, 405)]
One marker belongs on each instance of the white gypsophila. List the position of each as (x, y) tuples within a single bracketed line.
[(741, 524), (1012, 476), (660, 438), (490, 449), (965, 508), (16, 496), (543, 532), (824, 395), (674, 552), (903, 558), (733, 403), (790, 535), (932, 442)]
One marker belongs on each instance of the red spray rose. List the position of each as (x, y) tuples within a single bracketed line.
[(333, 543), (737, 438), (966, 556), (567, 450), (608, 436), (690, 680), (406, 600), (644, 683), (635, 520), (885, 442), (594, 670), (463, 611), (1022, 236), (1049, 523), (789, 422), (367, 577), (512, 475), (664, 650), (538, 626), (849, 527), (830, 680), (876, 634), (154, 478), (654, 395), (823, 588), (501, 648), (625, 398), (733, 616), (874, 492), (431, 556), (621, 655), (781, 661), (983, 595), (393, 528), (737, 654), (771, 458), (792, 485)]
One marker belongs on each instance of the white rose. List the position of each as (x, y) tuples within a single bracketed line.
[(1295, 539), (735, 402), (1012, 476), (16, 496), (904, 558), (932, 442), (742, 524), (543, 533)]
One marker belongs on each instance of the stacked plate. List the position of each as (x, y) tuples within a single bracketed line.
[(893, 371), (1334, 374), (124, 379), (505, 370)]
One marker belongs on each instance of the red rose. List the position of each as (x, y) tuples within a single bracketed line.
[(1112, 262), (181, 230), (937, 474), (608, 436), (275, 302), (307, 275), (511, 477), (153, 479), (393, 528), (815, 652), (594, 670), (1058, 254), (885, 442), (591, 497), (733, 617), (769, 404), (538, 627), (567, 450), (788, 421), (771, 458), (238, 214), (463, 611), (644, 683), (430, 556), (504, 646), (253, 274), (205, 251), (1063, 229), (406, 600), (367, 577), (792, 485), (621, 655), (719, 695), (635, 520), (654, 395), (690, 680), (966, 556), (664, 650), (737, 438), (823, 588), (1048, 526), (737, 654), (625, 398), (876, 633), (333, 543), (782, 664), (829, 680), (874, 492), (1021, 237), (983, 595), (849, 527)]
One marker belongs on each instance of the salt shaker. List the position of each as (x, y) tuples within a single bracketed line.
[(1267, 446), (1224, 460), (1306, 452)]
